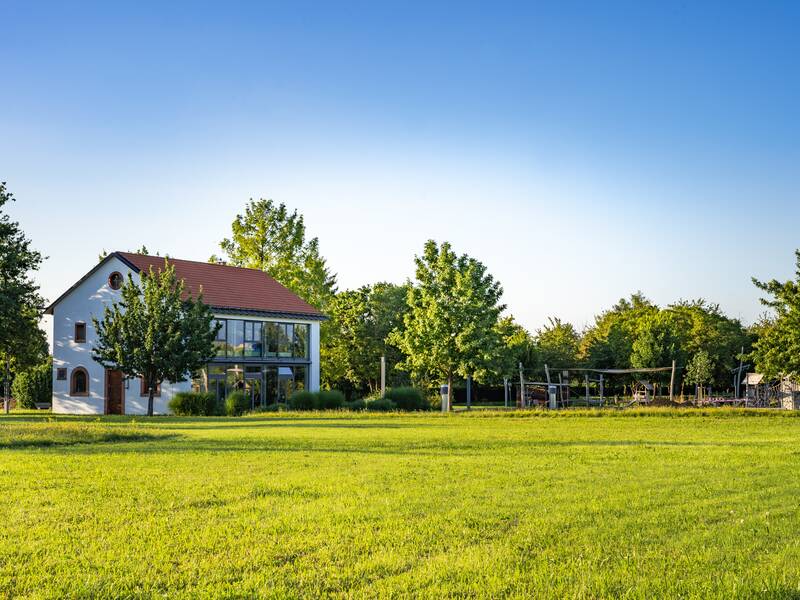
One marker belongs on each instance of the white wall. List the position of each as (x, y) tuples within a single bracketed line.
[(84, 302), (313, 375)]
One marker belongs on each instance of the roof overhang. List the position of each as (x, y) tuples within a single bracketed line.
[(269, 313)]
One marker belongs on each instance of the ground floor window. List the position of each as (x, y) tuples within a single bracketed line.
[(79, 383), (263, 384)]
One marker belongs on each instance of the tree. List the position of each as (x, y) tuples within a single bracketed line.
[(777, 350), (451, 325), (516, 347), (34, 385), (22, 342), (270, 238), (154, 333), (362, 321), (700, 369), (557, 344)]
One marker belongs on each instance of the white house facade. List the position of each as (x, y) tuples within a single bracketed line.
[(267, 344)]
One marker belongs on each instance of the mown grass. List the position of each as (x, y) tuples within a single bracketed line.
[(343, 505)]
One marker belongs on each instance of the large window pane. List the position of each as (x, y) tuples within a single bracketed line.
[(252, 338), (220, 342), (235, 337), (272, 338), (300, 340), (299, 382), (286, 333)]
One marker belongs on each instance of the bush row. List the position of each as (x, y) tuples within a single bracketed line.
[(237, 403)]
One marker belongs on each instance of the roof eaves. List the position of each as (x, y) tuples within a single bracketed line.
[(271, 313)]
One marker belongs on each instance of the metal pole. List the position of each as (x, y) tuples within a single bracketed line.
[(383, 376), (469, 392), (505, 391)]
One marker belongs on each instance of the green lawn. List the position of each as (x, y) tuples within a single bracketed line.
[(341, 505)]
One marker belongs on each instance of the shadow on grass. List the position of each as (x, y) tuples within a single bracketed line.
[(44, 436), (181, 445)]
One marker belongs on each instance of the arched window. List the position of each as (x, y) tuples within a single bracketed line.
[(79, 382)]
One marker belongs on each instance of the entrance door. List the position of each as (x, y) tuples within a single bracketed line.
[(114, 393)]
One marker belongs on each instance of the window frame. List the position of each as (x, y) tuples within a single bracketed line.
[(76, 371), (143, 389), (61, 374), (82, 338), (122, 281)]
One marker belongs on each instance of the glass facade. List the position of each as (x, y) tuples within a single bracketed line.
[(262, 384), (255, 339), (266, 360)]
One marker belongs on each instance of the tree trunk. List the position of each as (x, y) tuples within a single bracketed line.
[(150, 393)]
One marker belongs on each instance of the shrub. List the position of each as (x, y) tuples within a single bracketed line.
[(276, 407), (408, 398), (356, 405), (236, 403), (34, 385), (329, 399), (302, 400), (194, 404), (381, 405)]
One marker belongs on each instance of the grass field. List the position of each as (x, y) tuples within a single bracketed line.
[(663, 504)]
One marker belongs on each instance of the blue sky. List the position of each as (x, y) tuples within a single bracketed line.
[(583, 151)]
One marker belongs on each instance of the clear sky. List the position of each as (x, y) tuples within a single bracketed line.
[(582, 151)]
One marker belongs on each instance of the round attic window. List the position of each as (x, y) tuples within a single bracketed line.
[(115, 280)]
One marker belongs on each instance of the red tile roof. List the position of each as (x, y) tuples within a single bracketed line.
[(224, 286)]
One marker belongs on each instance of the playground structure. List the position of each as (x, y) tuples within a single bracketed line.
[(556, 394), (761, 392)]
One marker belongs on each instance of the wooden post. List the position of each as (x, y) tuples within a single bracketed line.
[(602, 399), (522, 387), (547, 375), (672, 384), (505, 391), (561, 389), (586, 382)]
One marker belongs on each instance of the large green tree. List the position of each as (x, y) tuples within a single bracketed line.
[(516, 347), (271, 238), (155, 333), (22, 342), (557, 344), (777, 350), (451, 325), (362, 321)]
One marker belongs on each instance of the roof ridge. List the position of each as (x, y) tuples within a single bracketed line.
[(197, 262)]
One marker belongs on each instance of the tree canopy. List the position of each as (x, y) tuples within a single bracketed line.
[(22, 342), (451, 323), (270, 238), (153, 333), (362, 320), (777, 350)]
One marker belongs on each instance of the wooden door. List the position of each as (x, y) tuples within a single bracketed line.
[(114, 393)]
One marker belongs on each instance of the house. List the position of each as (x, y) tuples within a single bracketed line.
[(267, 346)]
